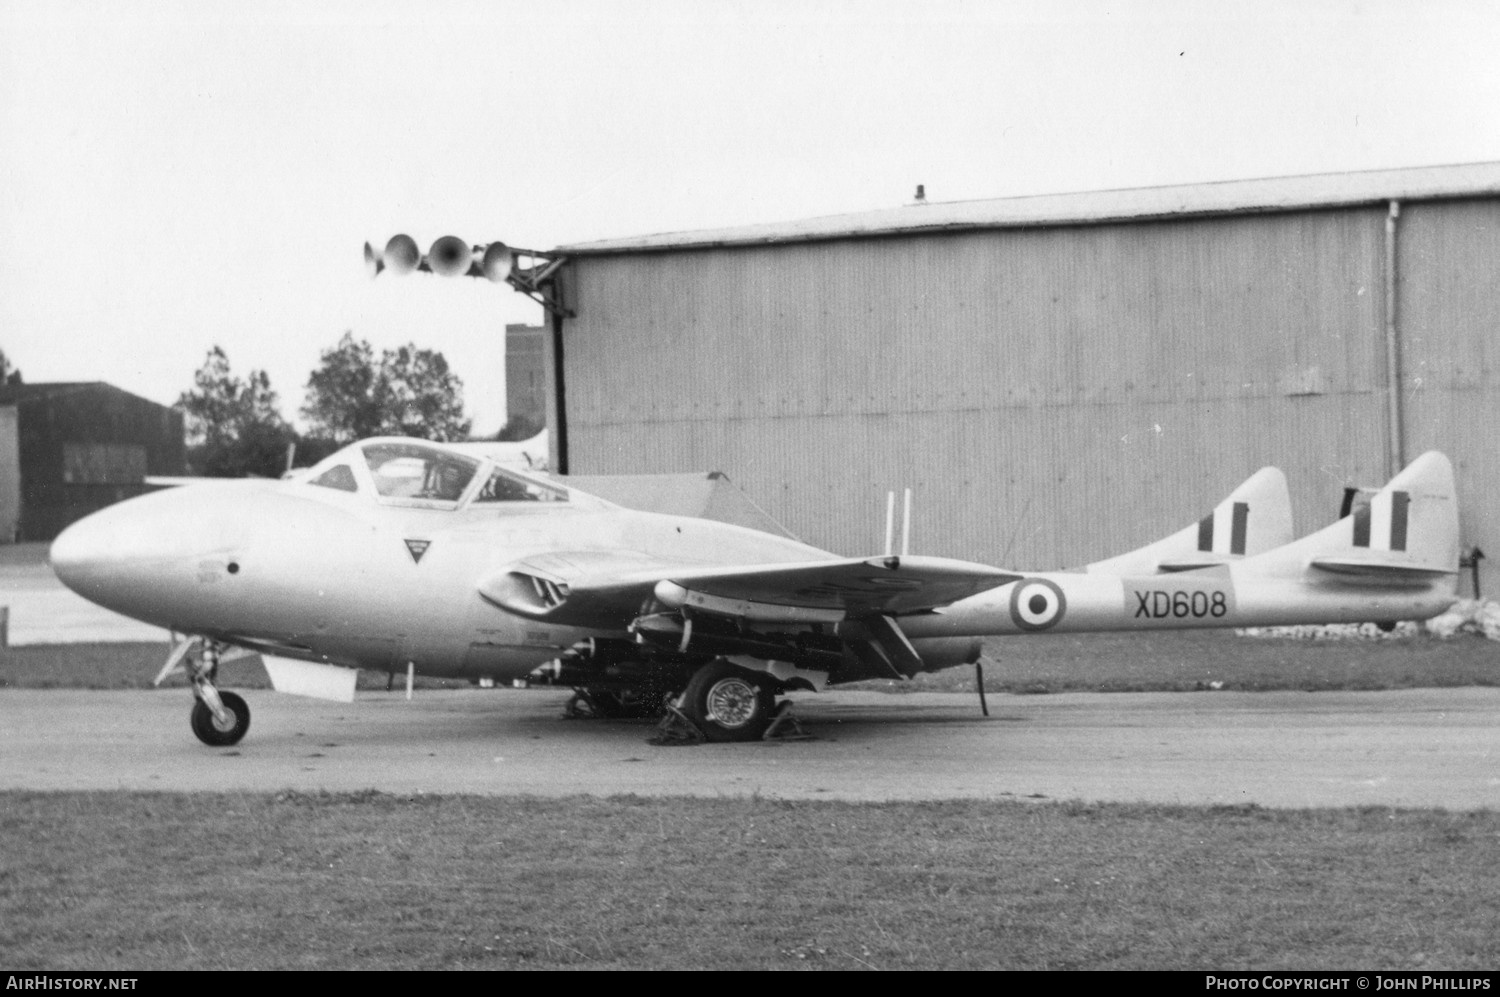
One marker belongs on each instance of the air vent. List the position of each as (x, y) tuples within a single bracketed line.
[(533, 595), (549, 594)]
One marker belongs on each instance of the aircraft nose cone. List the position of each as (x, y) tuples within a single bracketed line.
[(142, 557), (75, 549), (104, 553)]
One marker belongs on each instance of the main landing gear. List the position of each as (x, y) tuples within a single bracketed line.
[(719, 701), (729, 703), (727, 710), (723, 703)]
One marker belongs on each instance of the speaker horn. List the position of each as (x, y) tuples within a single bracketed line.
[(450, 256), (373, 264), (401, 255), (497, 262)]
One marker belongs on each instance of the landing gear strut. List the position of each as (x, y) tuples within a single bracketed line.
[(218, 718)]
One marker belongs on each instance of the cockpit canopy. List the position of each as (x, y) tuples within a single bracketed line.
[(424, 475), (413, 471)]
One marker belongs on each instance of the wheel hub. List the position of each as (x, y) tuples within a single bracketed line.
[(227, 724), (732, 702)]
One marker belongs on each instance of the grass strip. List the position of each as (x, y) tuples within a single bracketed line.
[(374, 881)]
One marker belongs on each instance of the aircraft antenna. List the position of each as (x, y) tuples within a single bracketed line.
[(906, 525)]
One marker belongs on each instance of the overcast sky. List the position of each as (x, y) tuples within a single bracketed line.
[(176, 176)]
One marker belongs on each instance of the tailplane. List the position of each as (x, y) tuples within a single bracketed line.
[(1405, 535), (1255, 518)]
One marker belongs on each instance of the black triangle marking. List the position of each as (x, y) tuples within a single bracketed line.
[(417, 548)]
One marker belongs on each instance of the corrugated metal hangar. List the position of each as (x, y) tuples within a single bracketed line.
[(1057, 378)]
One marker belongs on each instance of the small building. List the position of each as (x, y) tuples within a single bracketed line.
[(69, 449), (10, 476), (525, 375)]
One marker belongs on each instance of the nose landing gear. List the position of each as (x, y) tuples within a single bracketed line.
[(219, 718)]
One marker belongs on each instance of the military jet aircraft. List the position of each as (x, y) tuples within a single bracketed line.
[(395, 553)]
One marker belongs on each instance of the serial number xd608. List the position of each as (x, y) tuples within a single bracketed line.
[(1178, 603)]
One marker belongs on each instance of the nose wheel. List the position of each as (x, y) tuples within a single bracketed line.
[(219, 719), (225, 727)]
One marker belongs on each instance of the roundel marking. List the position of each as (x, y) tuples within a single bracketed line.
[(1037, 604)]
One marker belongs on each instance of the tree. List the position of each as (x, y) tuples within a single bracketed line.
[(234, 427), (9, 376), (408, 392)]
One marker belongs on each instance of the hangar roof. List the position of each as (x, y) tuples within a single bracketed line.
[(1328, 190), (17, 393), (22, 394)]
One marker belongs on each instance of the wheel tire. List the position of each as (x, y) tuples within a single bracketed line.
[(209, 732), (729, 703)]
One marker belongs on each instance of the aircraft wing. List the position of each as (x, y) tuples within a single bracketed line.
[(602, 588)]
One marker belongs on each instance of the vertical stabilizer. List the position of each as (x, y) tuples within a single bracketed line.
[(1256, 517), (1407, 533)]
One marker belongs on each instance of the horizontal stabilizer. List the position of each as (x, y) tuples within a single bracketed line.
[(1170, 565), (1376, 568), (1256, 517)]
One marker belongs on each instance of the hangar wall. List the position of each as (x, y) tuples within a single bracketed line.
[(1051, 394), (1448, 314)]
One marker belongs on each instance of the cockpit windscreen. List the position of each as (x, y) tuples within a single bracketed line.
[(412, 471)]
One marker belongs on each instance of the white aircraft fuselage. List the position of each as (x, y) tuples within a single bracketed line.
[(395, 553)]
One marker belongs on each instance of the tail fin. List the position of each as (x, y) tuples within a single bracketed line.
[(1256, 517), (1406, 534)]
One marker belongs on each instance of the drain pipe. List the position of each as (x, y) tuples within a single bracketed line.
[(1395, 445)]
